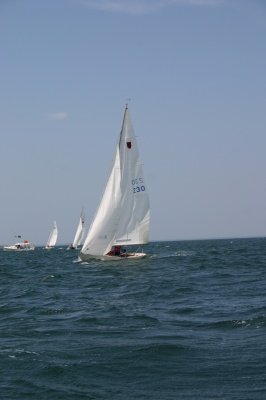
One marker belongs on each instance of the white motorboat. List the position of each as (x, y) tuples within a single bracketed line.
[(20, 246)]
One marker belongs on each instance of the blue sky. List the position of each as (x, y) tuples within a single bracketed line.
[(194, 71)]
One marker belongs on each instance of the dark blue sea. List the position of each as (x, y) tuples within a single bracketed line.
[(187, 322)]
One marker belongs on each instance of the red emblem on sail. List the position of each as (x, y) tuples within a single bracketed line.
[(129, 145)]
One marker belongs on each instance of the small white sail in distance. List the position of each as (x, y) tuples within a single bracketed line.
[(52, 237), (123, 215), (79, 232)]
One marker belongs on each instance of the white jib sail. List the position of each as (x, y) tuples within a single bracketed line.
[(123, 215), (80, 231), (53, 236)]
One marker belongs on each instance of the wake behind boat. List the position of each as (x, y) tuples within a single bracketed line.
[(20, 246), (123, 215)]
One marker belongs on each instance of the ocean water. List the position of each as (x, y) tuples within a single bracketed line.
[(187, 322)]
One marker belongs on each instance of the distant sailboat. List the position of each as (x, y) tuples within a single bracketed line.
[(123, 215), (52, 237), (79, 232)]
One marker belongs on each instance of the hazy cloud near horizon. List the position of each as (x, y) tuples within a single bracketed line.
[(58, 116), (145, 6)]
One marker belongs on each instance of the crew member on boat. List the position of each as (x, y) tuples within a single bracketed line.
[(117, 251)]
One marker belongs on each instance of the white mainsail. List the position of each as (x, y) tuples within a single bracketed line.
[(79, 232), (123, 215), (52, 237)]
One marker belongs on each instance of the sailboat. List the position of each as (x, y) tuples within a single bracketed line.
[(52, 237), (123, 215), (79, 232)]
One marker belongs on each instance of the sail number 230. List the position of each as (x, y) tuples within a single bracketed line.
[(138, 185)]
